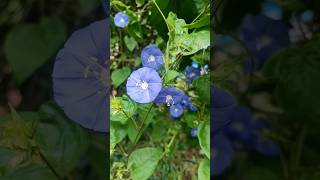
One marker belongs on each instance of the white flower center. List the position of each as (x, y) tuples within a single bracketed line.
[(143, 84), (169, 99), (122, 20), (151, 58)]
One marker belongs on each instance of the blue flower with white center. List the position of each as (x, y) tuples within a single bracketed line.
[(80, 77), (186, 102), (272, 10), (121, 20), (264, 37), (144, 85), (169, 96), (194, 132), (221, 154), (176, 110), (152, 57), (195, 65), (307, 16), (192, 73)]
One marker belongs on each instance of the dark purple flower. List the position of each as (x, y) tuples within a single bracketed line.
[(192, 73), (121, 20), (186, 102), (264, 37), (80, 78), (152, 57), (144, 85), (221, 154), (176, 110), (169, 96)]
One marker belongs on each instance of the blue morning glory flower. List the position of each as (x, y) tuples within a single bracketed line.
[(272, 10), (194, 132), (152, 57), (121, 20), (307, 16), (144, 85), (192, 73), (176, 110), (80, 77), (169, 96), (264, 37), (221, 154), (195, 65), (222, 105)]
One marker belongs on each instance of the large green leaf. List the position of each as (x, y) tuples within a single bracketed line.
[(143, 162), (204, 170), (202, 87), (130, 42), (204, 138), (117, 132), (120, 75), (121, 109), (28, 46)]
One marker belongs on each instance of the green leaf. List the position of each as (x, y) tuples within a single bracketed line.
[(143, 162), (204, 169), (204, 21), (121, 109), (140, 2), (202, 87), (130, 42), (119, 76), (28, 46), (61, 141), (196, 41), (117, 133), (170, 75), (204, 138)]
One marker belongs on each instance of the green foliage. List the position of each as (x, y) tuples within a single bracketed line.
[(204, 138), (204, 169), (202, 87), (143, 162), (29, 46), (120, 75)]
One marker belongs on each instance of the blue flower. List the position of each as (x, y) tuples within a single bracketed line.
[(80, 77), (222, 105), (307, 16), (144, 85), (169, 96), (152, 57), (221, 154), (195, 65), (186, 102), (272, 10), (194, 132), (192, 73), (121, 20), (176, 110), (264, 37)]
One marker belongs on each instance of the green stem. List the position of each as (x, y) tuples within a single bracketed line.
[(203, 11), (167, 147), (164, 18), (132, 120), (46, 161), (141, 126)]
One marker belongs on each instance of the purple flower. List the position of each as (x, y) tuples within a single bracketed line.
[(121, 20), (186, 102), (194, 132), (152, 57), (144, 85), (221, 154), (80, 77), (169, 96), (192, 73), (176, 110)]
